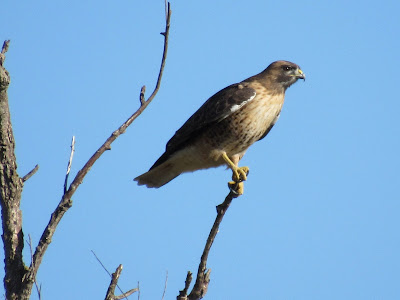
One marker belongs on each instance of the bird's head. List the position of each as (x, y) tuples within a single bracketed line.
[(284, 73)]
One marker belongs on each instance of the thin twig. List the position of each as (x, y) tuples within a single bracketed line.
[(30, 174), (183, 294), (166, 35), (38, 289), (4, 49), (98, 259), (166, 6), (66, 201), (165, 286), (105, 269), (126, 294), (203, 275), (69, 163)]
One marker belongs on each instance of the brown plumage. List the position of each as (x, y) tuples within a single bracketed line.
[(225, 126)]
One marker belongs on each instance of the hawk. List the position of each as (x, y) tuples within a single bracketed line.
[(225, 126)]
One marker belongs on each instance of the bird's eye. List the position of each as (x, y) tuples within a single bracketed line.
[(287, 68)]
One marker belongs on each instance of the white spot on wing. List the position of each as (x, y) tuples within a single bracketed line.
[(236, 106)]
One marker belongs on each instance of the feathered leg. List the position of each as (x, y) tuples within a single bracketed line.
[(239, 174)]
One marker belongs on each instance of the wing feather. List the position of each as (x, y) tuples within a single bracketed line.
[(216, 108)]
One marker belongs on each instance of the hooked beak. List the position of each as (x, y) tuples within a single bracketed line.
[(300, 74)]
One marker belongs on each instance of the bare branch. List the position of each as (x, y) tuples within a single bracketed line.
[(183, 294), (127, 294), (165, 286), (111, 275), (30, 174), (10, 195), (166, 5), (71, 156), (166, 35), (38, 289), (19, 278), (203, 275), (66, 201), (4, 49), (113, 284)]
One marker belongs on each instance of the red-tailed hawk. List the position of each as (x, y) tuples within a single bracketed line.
[(225, 126)]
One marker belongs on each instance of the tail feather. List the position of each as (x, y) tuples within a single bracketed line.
[(159, 175)]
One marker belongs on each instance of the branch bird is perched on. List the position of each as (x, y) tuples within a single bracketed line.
[(225, 126)]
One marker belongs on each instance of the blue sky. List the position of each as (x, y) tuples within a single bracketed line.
[(320, 215)]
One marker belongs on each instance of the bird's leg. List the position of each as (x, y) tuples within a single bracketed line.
[(239, 174)]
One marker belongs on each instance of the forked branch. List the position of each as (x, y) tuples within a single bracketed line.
[(66, 201), (10, 192), (113, 284)]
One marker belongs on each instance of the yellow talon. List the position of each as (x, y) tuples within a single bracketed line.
[(240, 174)]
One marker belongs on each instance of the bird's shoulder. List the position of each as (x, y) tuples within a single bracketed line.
[(216, 108)]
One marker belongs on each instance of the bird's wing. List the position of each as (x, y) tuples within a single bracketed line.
[(218, 107), (215, 109)]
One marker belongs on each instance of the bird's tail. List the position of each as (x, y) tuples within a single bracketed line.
[(158, 176)]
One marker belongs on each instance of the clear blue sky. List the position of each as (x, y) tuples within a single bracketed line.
[(320, 215)]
